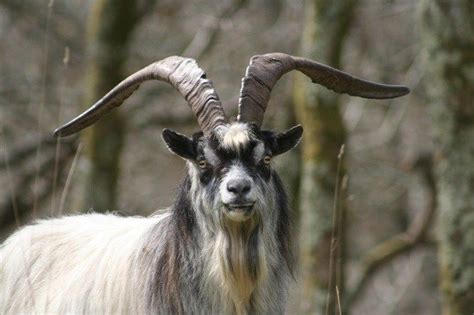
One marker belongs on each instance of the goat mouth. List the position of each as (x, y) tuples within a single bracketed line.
[(240, 207), (239, 212)]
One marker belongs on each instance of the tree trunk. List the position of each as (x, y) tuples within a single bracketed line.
[(448, 34), (111, 23), (325, 26)]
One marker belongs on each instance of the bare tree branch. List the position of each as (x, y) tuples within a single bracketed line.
[(25, 150), (401, 243), (145, 7), (210, 27), (22, 204), (181, 118), (32, 11), (201, 42)]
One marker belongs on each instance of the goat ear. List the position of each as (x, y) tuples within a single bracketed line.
[(179, 144), (287, 140)]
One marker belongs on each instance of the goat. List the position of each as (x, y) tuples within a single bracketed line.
[(223, 247)]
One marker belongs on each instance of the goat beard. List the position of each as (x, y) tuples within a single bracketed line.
[(238, 259)]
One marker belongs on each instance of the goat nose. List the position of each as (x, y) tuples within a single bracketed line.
[(238, 186)]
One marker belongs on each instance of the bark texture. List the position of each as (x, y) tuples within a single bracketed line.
[(111, 23), (448, 30), (317, 109)]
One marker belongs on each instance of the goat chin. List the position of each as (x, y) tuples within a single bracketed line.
[(239, 216)]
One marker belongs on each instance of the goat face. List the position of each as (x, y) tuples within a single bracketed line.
[(231, 170)]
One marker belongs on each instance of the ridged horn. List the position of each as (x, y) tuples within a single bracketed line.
[(182, 73), (265, 70)]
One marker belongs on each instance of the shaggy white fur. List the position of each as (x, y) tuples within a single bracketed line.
[(236, 136), (46, 267)]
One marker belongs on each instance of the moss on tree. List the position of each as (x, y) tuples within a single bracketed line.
[(318, 110), (111, 23), (448, 34)]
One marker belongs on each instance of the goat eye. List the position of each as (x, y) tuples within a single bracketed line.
[(267, 159), (202, 164)]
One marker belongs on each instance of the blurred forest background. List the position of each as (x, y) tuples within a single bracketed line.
[(404, 242)]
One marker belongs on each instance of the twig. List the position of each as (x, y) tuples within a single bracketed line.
[(144, 9), (58, 141), (10, 186), (55, 171), (42, 101), (68, 179), (338, 301), (335, 220)]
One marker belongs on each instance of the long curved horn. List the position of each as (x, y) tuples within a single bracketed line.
[(265, 70), (182, 73)]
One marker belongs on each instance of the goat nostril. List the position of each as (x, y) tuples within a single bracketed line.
[(238, 186), (231, 188)]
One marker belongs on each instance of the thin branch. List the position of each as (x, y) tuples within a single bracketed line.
[(10, 186), (43, 98), (335, 230), (401, 243), (338, 297), (145, 7), (69, 179)]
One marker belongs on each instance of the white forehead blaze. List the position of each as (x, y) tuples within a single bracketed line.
[(236, 136)]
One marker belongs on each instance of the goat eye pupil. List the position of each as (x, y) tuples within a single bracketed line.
[(202, 164), (267, 159)]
